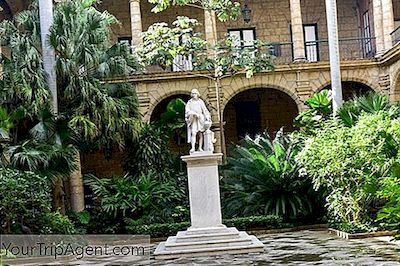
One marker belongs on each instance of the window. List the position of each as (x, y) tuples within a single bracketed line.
[(311, 44), (243, 37), (366, 43)]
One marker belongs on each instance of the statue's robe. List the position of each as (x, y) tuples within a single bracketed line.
[(195, 124)]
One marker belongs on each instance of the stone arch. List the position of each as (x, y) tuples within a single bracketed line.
[(161, 105), (294, 96), (165, 96), (256, 110), (171, 95), (347, 89)]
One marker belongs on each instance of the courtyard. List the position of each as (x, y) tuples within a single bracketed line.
[(306, 247), (196, 122)]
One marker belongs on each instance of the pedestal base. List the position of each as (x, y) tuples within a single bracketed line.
[(207, 242)]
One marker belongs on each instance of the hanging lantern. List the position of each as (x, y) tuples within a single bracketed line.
[(246, 12)]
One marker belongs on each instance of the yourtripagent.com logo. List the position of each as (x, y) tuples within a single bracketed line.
[(22, 249)]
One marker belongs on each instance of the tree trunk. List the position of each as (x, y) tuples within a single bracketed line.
[(58, 196), (334, 57), (49, 60), (76, 187)]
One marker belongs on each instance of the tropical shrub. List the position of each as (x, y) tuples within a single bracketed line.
[(24, 198), (150, 153), (262, 177), (389, 215), (369, 103), (56, 223), (352, 162), (127, 196), (320, 108)]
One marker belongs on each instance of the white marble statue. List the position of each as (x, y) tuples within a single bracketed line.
[(197, 117)]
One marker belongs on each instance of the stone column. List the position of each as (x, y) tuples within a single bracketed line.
[(210, 26), (334, 56), (388, 23), (378, 27), (136, 22), (297, 31)]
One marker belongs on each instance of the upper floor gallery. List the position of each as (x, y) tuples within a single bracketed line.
[(295, 29)]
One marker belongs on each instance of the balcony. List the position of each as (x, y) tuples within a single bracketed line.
[(316, 51)]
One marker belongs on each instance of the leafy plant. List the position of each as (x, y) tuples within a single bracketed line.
[(320, 105), (134, 197), (389, 215), (351, 163), (150, 153), (369, 103), (25, 197), (262, 177), (56, 223)]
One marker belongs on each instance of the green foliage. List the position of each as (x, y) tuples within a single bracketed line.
[(320, 105), (103, 112), (150, 153), (25, 196), (173, 119), (389, 215), (354, 228), (262, 177), (161, 45), (56, 223), (90, 110), (168, 229), (352, 162), (370, 103), (224, 9), (129, 197), (80, 220)]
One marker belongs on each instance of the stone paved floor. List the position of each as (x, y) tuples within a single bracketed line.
[(293, 248), (307, 248)]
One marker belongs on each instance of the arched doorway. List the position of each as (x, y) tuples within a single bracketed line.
[(257, 110), (351, 89), (177, 143)]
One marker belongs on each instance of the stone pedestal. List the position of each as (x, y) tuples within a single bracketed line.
[(206, 235)]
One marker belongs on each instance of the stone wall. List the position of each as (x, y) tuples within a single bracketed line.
[(96, 163)]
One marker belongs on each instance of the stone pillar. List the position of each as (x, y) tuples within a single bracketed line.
[(378, 27), (297, 31), (136, 22), (334, 56), (210, 26), (388, 23)]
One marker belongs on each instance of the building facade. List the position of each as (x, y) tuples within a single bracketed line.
[(369, 45)]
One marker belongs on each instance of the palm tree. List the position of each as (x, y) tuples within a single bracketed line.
[(91, 111)]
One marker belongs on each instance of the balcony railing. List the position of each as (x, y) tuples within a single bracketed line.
[(396, 36), (349, 49), (182, 63), (316, 51), (283, 52)]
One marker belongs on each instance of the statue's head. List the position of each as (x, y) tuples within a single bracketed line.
[(195, 94)]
